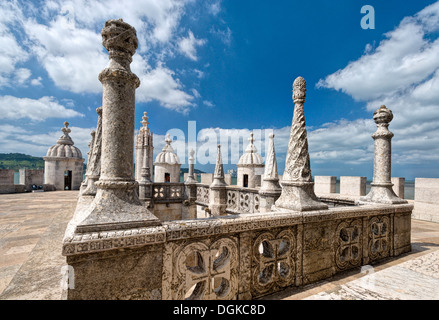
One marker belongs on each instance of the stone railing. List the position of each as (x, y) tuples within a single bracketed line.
[(235, 257), (167, 192), (239, 200), (203, 193), (242, 200)]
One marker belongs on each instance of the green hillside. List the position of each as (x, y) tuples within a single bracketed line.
[(17, 161)]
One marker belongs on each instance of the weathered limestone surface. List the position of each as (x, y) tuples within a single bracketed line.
[(297, 184), (132, 274), (353, 186), (426, 199), (324, 184)]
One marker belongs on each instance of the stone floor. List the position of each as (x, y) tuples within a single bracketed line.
[(32, 227)]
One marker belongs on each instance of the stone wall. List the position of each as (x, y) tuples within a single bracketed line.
[(206, 178), (7, 181), (353, 186), (259, 253), (6, 177), (426, 199), (29, 177), (325, 184)]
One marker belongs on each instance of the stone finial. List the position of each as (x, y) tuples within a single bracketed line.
[(144, 121), (270, 180), (168, 141), (218, 176), (297, 184), (382, 115), (271, 163), (191, 178), (65, 138), (251, 139), (66, 130), (299, 89), (119, 38), (381, 187), (191, 156)]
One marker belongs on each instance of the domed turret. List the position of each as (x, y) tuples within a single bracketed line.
[(63, 163), (64, 147), (167, 164), (250, 166)]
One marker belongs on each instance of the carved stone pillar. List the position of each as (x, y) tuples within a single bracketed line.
[(270, 189), (145, 184), (117, 205), (381, 188), (88, 170), (297, 184), (94, 164), (190, 190), (218, 191)]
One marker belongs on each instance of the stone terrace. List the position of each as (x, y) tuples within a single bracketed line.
[(32, 226)]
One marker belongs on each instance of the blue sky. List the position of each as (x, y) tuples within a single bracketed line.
[(229, 66)]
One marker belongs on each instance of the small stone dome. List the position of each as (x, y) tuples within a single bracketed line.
[(251, 155), (167, 156), (64, 147)]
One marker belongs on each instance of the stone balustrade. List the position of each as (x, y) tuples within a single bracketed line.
[(234, 257), (167, 192), (239, 200)]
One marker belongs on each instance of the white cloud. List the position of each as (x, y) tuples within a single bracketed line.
[(188, 46), (22, 75), (224, 35), (401, 73), (11, 51), (66, 40), (195, 93), (36, 81), (36, 110), (208, 103), (73, 57), (159, 84), (214, 7)]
